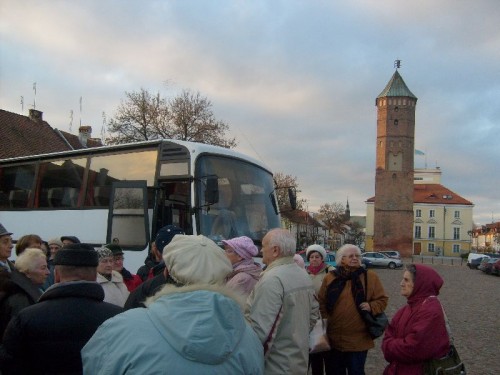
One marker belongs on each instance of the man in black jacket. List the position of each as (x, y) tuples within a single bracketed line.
[(48, 336), (159, 274)]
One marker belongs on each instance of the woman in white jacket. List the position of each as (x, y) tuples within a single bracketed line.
[(115, 290)]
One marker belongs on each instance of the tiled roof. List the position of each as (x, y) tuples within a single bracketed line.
[(23, 136), (396, 87), (300, 217), (435, 194)]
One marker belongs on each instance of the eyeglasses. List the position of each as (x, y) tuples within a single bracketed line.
[(352, 256)]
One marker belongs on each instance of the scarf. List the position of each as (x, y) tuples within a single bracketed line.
[(342, 275), (315, 270)]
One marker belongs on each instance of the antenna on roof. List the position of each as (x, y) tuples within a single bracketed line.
[(34, 99), (70, 120), (22, 104), (397, 64), (103, 129), (81, 99)]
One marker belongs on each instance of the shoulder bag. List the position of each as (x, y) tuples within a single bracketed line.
[(450, 364), (376, 324)]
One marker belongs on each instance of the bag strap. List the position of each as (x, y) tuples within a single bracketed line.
[(446, 322)]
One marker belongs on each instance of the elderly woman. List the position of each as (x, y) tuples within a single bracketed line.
[(240, 252), (417, 332), (344, 295), (22, 286), (115, 290), (317, 270)]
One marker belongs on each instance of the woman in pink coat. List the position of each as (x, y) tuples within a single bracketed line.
[(418, 331)]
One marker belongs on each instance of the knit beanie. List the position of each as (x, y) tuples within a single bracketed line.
[(320, 249), (80, 255), (104, 252), (165, 235), (55, 241), (243, 246), (196, 260)]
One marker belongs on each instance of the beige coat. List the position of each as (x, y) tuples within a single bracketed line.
[(282, 309), (115, 291)]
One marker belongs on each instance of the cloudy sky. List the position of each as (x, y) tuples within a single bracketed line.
[(295, 80)]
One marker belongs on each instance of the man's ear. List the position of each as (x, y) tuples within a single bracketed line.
[(57, 276)]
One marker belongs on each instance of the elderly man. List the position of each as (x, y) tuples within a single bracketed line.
[(47, 337), (282, 308), (5, 250)]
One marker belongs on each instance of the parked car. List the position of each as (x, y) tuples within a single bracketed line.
[(475, 262), (391, 253), (378, 259), (483, 263), (488, 265), (495, 269)]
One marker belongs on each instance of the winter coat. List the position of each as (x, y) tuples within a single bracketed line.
[(282, 310), (317, 279), (346, 329), (131, 281), (115, 290), (188, 330), (147, 289), (48, 336), (417, 332), (244, 276), (17, 292)]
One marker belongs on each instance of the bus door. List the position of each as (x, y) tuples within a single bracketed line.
[(174, 205)]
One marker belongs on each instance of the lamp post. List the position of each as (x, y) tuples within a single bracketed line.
[(470, 233)]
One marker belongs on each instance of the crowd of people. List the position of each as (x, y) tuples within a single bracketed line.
[(195, 308)]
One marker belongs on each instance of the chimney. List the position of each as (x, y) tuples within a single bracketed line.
[(84, 133), (36, 115)]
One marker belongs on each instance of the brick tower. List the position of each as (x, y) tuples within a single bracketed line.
[(393, 220)]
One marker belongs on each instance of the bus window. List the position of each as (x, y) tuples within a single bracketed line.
[(15, 186), (106, 169), (60, 183), (243, 208)]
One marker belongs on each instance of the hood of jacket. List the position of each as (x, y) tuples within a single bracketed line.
[(203, 324), (427, 283)]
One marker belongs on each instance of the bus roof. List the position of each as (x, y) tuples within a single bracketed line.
[(195, 148)]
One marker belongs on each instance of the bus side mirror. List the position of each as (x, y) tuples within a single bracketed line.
[(212, 190)]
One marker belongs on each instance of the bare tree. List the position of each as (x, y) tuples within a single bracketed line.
[(143, 116), (333, 215)]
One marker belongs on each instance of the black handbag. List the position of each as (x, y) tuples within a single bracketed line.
[(450, 364), (376, 324)]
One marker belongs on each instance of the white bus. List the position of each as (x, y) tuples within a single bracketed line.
[(126, 193)]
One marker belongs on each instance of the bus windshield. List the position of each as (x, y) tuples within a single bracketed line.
[(243, 208)]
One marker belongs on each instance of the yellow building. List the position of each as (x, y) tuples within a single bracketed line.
[(442, 219)]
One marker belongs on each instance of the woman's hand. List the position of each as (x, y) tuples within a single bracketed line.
[(365, 306)]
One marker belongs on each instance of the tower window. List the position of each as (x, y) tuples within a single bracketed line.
[(396, 122)]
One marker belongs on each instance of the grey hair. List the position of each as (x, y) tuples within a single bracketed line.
[(26, 261), (412, 270), (284, 240), (341, 252)]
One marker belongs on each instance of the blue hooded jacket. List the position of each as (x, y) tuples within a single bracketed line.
[(189, 330)]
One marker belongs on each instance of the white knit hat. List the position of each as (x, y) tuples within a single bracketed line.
[(320, 249), (196, 260)]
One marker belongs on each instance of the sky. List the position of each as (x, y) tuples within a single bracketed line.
[(296, 81)]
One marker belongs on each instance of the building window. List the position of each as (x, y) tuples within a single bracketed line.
[(418, 213), (457, 215), (432, 232), (418, 231), (432, 213), (456, 248), (456, 233), (430, 247)]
